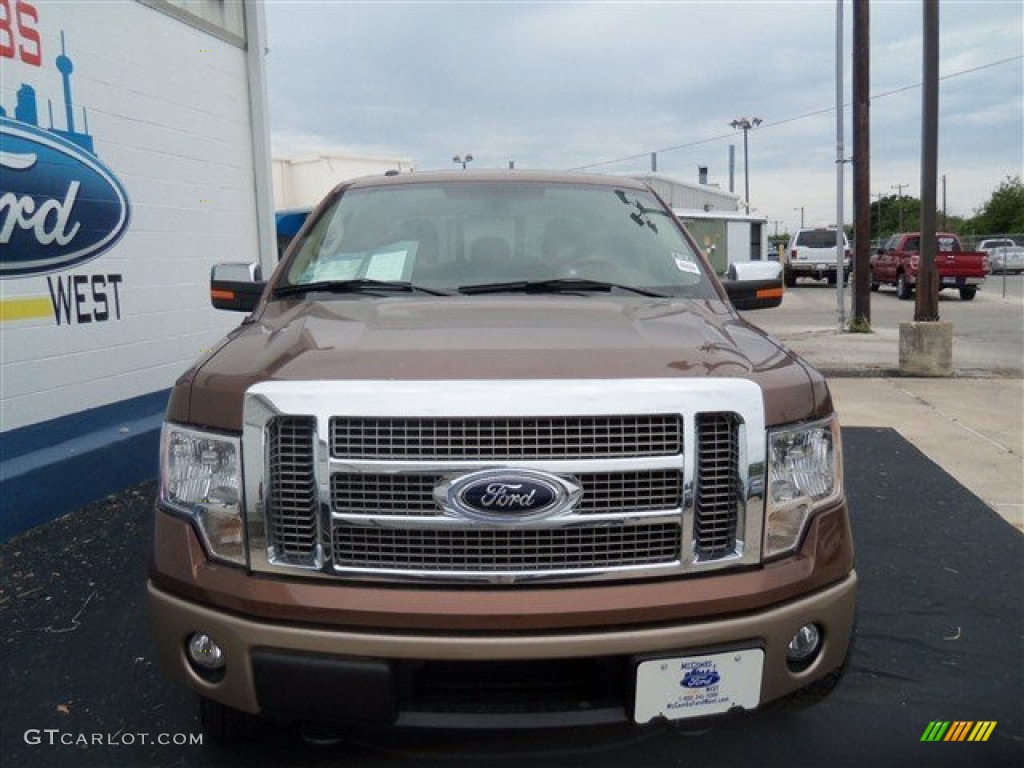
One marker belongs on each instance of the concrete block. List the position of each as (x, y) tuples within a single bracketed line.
[(926, 349)]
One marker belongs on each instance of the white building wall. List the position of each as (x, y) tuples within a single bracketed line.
[(168, 112), (304, 181), (695, 197)]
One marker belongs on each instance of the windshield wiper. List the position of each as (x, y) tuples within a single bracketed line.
[(360, 285), (554, 285)]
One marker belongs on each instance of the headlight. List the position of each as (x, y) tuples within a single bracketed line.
[(200, 476), (804, 474)]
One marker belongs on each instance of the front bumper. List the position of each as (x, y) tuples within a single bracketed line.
[(372, 676)]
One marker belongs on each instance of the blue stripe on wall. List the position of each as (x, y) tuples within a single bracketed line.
[(55, 467)]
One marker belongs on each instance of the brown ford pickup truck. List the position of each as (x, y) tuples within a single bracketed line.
[(496, 449), (898, 261)]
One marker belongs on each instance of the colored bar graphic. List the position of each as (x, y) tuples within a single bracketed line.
[(935, 731), (982, 730), (958, 730), (25, 309)]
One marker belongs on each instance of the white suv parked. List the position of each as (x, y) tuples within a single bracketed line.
[(812, 253)]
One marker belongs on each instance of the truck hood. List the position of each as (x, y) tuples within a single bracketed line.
[(495, 337)]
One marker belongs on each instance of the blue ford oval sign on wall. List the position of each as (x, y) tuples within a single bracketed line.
[(507, 495), (59, 205)]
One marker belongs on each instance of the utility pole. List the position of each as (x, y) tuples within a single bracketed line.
[(927, 305), (876, 225), (801, 209), (861, 310), (944, 203), (840, 163), (926, 345), (899, 203)]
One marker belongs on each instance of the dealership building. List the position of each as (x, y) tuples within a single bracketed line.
[(135, 154)]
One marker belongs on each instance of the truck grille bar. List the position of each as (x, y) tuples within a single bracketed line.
[(488, 550), (506, 439), (356, 493)]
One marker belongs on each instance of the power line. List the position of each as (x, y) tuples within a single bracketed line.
[(787, 120)]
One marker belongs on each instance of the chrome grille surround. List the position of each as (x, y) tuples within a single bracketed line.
[(639, 516)]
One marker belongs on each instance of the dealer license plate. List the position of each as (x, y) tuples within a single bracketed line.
[(821, 266), (693, 686)]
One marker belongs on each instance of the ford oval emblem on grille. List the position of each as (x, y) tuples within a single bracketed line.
[(507, 495)]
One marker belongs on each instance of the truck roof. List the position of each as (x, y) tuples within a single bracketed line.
[(497, 175)]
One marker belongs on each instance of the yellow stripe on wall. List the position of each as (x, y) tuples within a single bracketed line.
[(25, 309)]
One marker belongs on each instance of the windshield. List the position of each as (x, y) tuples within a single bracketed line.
[(450, 237)]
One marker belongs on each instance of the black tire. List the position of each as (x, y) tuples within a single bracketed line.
[(968, 293), (903, 288), (224, 725), (789, 278), (831, 278)]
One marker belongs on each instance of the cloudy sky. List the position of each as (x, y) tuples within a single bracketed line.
[(566, 85)]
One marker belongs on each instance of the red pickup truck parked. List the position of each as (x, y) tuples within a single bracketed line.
[(898, 261)]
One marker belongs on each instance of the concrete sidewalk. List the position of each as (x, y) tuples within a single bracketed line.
[(971, 424), (972, 428)]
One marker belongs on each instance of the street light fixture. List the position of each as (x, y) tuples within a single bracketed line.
[(464, 160), (745, 124)]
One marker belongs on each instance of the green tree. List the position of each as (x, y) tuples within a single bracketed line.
[(892, 214), (1004, 210)]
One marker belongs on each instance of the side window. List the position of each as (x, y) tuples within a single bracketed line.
[(913, 245)]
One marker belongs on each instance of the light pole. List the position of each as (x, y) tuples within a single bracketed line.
[(463, 160), (745, 124), (801, 209)]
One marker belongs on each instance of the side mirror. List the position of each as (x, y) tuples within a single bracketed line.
[(754, 285), (236, 286)]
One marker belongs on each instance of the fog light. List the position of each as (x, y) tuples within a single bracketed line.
[(804, 645), (205, 653)]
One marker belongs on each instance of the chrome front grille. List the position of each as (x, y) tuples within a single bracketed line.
[(292, 526), (404, 495), (718, 489), (361, 496), (505, 439), (488, 550)]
